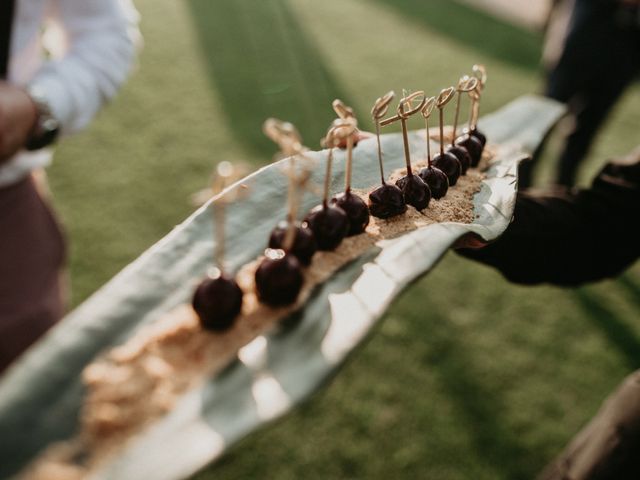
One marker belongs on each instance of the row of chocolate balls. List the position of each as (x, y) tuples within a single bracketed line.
[(279, 277)]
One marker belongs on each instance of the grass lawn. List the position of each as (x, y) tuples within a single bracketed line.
[(469, 376)]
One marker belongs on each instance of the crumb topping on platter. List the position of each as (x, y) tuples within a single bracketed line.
[(136, 383)]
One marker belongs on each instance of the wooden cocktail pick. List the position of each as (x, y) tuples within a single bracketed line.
[(279, 278), (356, 209), (345, 112), (432, 176), (414, 190), (472, 139), (329, 222), (289, 234), (445, 161), (218, 298), (481, 74), (387, 200), (465, 84), (239, 171)]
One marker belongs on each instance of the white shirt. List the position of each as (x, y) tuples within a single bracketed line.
[(77, 53)]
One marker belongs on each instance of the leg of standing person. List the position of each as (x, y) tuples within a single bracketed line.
[(31, 259), (600, 59), (556, 28)]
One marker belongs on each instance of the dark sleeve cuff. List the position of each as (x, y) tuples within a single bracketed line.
[(568, 237)]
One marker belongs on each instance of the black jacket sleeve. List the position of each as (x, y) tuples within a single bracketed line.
[(571, 236)]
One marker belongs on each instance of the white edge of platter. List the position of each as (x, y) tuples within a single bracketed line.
[(282, 368)]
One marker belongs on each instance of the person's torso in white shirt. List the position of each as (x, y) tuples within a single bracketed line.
[(77, 52)]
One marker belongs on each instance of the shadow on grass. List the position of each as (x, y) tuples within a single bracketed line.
[(480, 408), (631, 287), (475, 29), (262, 64), (619, 334)]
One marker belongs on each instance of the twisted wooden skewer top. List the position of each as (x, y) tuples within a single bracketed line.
[(480, 72), (428, 107), (285, 135), (406, 102), (341, 129), (468, 84), (381, 106), (445, 96), (342, 110), (222, 179)]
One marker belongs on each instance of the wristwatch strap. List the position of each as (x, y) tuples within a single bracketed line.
[(47, 127)]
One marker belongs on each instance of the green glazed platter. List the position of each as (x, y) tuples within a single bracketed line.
[(41, 396)]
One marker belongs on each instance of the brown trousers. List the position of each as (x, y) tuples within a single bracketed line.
[(32, 253)]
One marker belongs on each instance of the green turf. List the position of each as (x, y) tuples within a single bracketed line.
[(469, 376)]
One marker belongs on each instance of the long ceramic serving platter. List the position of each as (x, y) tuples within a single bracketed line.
[(41, 395)]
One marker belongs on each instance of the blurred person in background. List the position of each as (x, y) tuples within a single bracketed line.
[(592, 55), (60, 61)]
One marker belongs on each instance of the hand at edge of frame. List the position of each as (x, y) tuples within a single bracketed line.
[(18, 116)]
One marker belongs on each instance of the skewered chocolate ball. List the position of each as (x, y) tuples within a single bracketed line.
[(437, 181), (329, 224), (480, 73), (279, 278), (449, 164), (217, 301), (387, 201), (473, 140), (477, 134), (473, 146), (462, 154), (356, 210), (465, 84), (415, 191), (434, 177), (445, 161), (304, 243)]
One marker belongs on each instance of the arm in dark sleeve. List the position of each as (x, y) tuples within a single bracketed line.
[(573, 236)]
